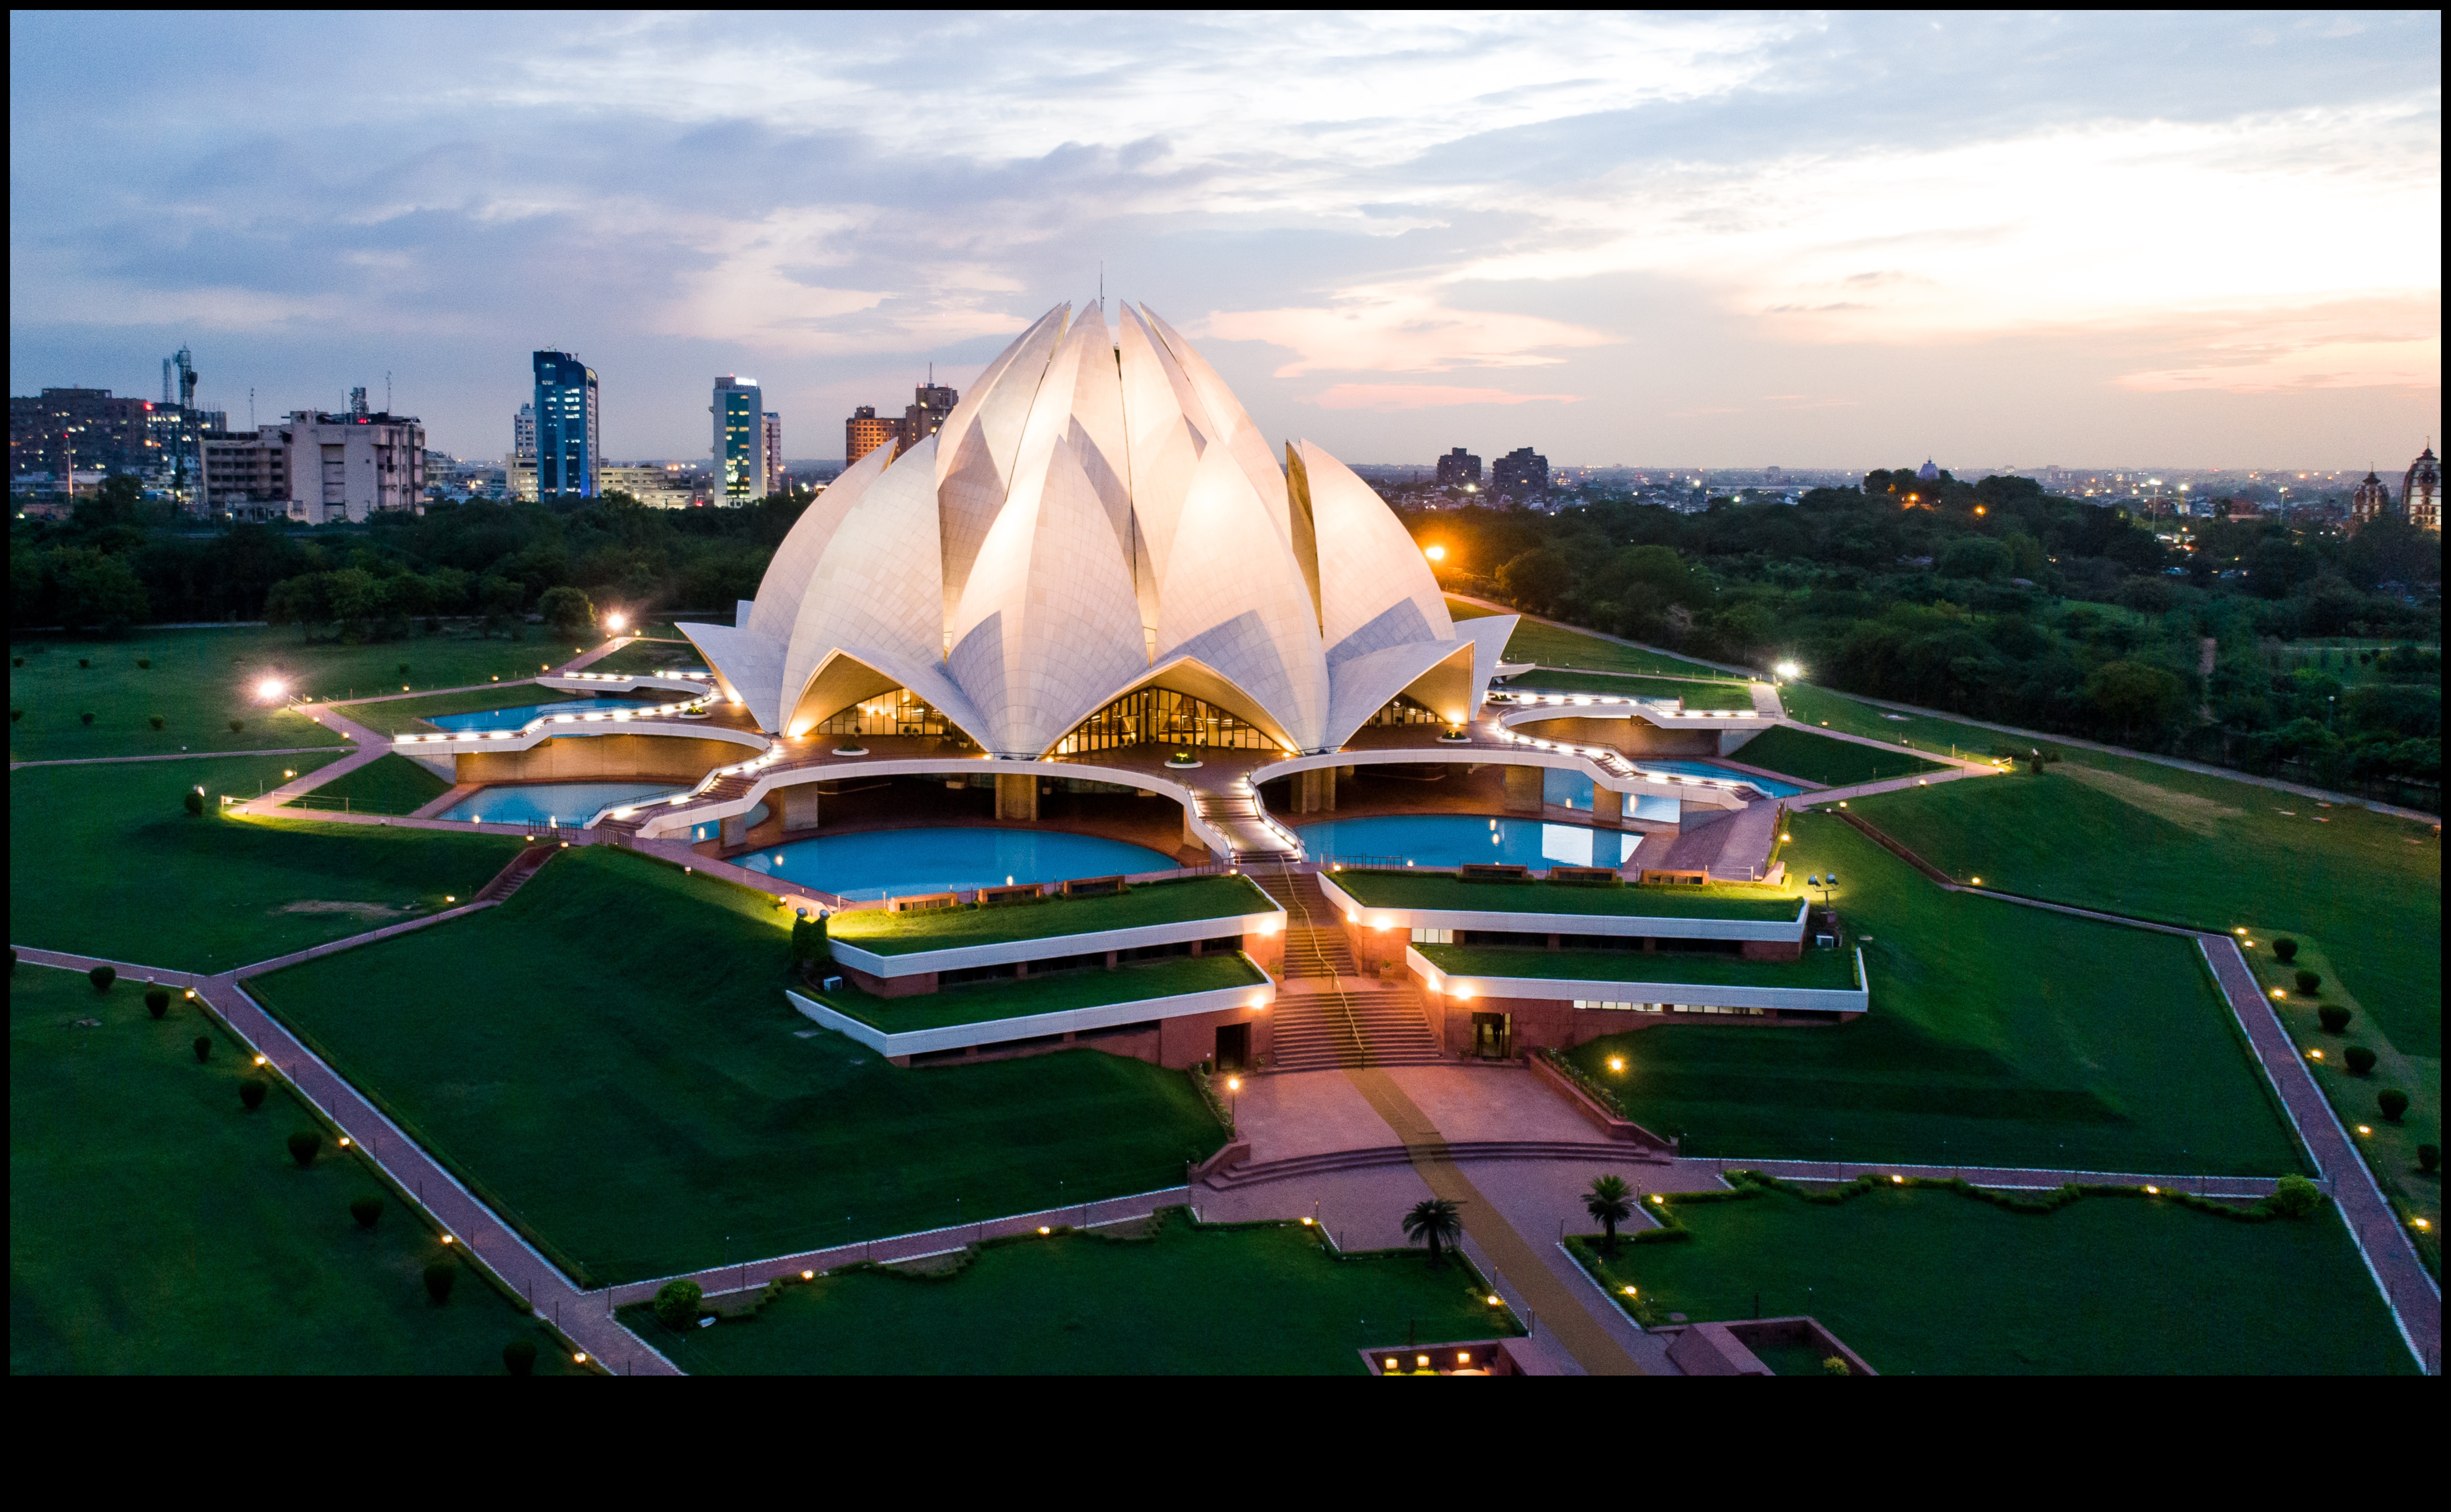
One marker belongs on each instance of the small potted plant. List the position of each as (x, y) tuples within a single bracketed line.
[(1182, 761)]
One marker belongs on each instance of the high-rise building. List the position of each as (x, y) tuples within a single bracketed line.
[(1521, 473), (1459, 469), (740, 411), (926, 416), (771, 444), (567, 439), (319, 468), (863, 432), (2421, 491), (2369, 502), (523, 434)]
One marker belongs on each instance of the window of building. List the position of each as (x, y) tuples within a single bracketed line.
[(1434, 937), (900, 712), (1162, 717)]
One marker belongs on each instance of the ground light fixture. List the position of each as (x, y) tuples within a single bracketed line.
[(807, 1275), (1616, 1063), (2152, 1192), (2365, 1129)]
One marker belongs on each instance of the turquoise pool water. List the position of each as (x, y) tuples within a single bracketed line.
[(1705, 769), (1450, 839), (1572, 790), (882, 863), (514, 718), (561, 802)]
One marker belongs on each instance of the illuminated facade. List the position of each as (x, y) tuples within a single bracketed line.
[(566, 433), (739, 412)]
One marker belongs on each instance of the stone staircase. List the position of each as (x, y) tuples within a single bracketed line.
[(1238, 817), (514, 877), (1327, 1017)]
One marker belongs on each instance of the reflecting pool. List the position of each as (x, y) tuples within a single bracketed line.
[(1451, 839), (514, 719), (883, 863), (561, 802)]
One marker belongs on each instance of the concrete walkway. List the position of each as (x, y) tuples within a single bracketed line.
[(177, 755)]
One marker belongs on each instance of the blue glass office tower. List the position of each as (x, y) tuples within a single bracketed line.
[(740, 411), (566, 427)]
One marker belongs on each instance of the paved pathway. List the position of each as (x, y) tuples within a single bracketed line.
[(176, 756)]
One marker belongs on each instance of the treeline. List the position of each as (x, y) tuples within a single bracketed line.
[(1997, 601), (110, 566)]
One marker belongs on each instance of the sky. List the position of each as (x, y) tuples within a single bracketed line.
[(1730, 240)]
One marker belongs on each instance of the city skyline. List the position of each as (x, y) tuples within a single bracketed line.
[(2179, 241)]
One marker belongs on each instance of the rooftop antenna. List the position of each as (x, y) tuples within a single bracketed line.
[(1102, 288), (387, 390), (250, 406)]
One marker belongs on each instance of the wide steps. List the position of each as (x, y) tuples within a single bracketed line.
[(1255, 1173)]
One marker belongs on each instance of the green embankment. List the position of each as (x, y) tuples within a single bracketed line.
[(1813, 758), (1200, 897), (388, 784)]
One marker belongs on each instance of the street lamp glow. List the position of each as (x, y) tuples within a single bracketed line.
[(1789, 671), (269, 689), (614, 623), (1435, 552)]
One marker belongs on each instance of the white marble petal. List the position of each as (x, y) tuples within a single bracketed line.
[(878, 585), (1234, 599), (975, 466), (1250, 449), (786, 584), (1374, 589)]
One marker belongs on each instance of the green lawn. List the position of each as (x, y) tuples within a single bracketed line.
[(1924, 1281), (388, 784), (104, 861), (2390, 1149), (1555, 646), (201, 679), (1199, 898), (1720, 695), (1410, 889), (1258, 1300), (651, 656), (609, 1056), (158, 1227), (1822, 970), (1999, 1036), (404, 715), (2166, 844), (980, 1001), (1831, 764)]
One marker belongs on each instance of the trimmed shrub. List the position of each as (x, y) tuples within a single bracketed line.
[(676, 1304), (84, 661), (17, 715), (102, 976), (439, 1276), (86, 718), (2295, 1197), (203, 1048), (155, 720), (2393, 1102), (2429, 1158), (519, 1357), (2361, 1059), (2284, 950), (1835, 1365), (2334, 1017), (305, 1146), (144, 663), (809, 941), (404, 669), (236, 725), (365, 1210), (250, 1092), (157, 1001), (17, 662), (2309, 984), (194, 803)]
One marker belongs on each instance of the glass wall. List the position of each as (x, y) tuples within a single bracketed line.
[(1402, 710), (900, 712), (1162, 717)]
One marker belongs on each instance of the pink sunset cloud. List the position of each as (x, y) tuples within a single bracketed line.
[(1427, 395)]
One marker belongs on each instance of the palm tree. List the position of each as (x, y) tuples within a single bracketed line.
[(1612, 1202), (1435, 1221)]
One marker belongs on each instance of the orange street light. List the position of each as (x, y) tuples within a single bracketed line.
[(1435, 552)]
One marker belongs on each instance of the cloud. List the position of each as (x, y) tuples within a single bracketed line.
[(1400, 331), (1397, 396)]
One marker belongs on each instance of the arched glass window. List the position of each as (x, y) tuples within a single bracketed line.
[(1162, 717)]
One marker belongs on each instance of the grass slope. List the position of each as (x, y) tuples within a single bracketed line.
[(2209, 853), (1998, 1036), (610, 1057), (201, 679), (1822, 970), (388, 784), (1924, 1281), (1445, 891), (398, 716), (1720, 695), (1192, 1300), (1555, 646), (1831, 764), (1054, 994), (651, 656), (1199, 898), (104, 861), (158, 1227)]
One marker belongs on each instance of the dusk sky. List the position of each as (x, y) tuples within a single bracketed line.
[(2168, 240)]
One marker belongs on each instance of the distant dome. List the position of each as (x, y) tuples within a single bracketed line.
[(1928, 471)]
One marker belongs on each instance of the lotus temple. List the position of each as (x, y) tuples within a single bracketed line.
[(1098, 635)]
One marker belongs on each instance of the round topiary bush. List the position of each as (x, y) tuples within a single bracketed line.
[(365, 1210), (102, 976), (194, 802), (2293, 1197), (305, 1146), (236, 725), (676, 1304), (2429, 1158), (203, 1048), (84, 661), (2361, 1059), (157, 1001), (519, 1357), (2284, 950), (439, 1275), (16, 715), (2334, 1017), (155, 720), (85, 719), (2309, 984), (2393, 1102), (144, 663), (250, 1092), (404, 669)]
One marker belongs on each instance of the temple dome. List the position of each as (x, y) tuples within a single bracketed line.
[(1096, 517)]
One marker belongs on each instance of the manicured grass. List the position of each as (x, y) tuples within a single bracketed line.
[(1199, 898), (978, 1003), (610, 1058), (2134, 838), (388, 784), (651, 656), (1818, 970), (1831, 764), (1259, 1300), (406, 716), (1999, 1036), (158, 1227), (104, 861), (1924, 1281), (1555, 646), (2390, 1149), (1443, 890), (201, 679), (1722, 694)]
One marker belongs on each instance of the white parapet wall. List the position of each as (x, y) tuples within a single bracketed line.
[(1070, 1021), (1005, 952), (1784, 932), (1464, 988)]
